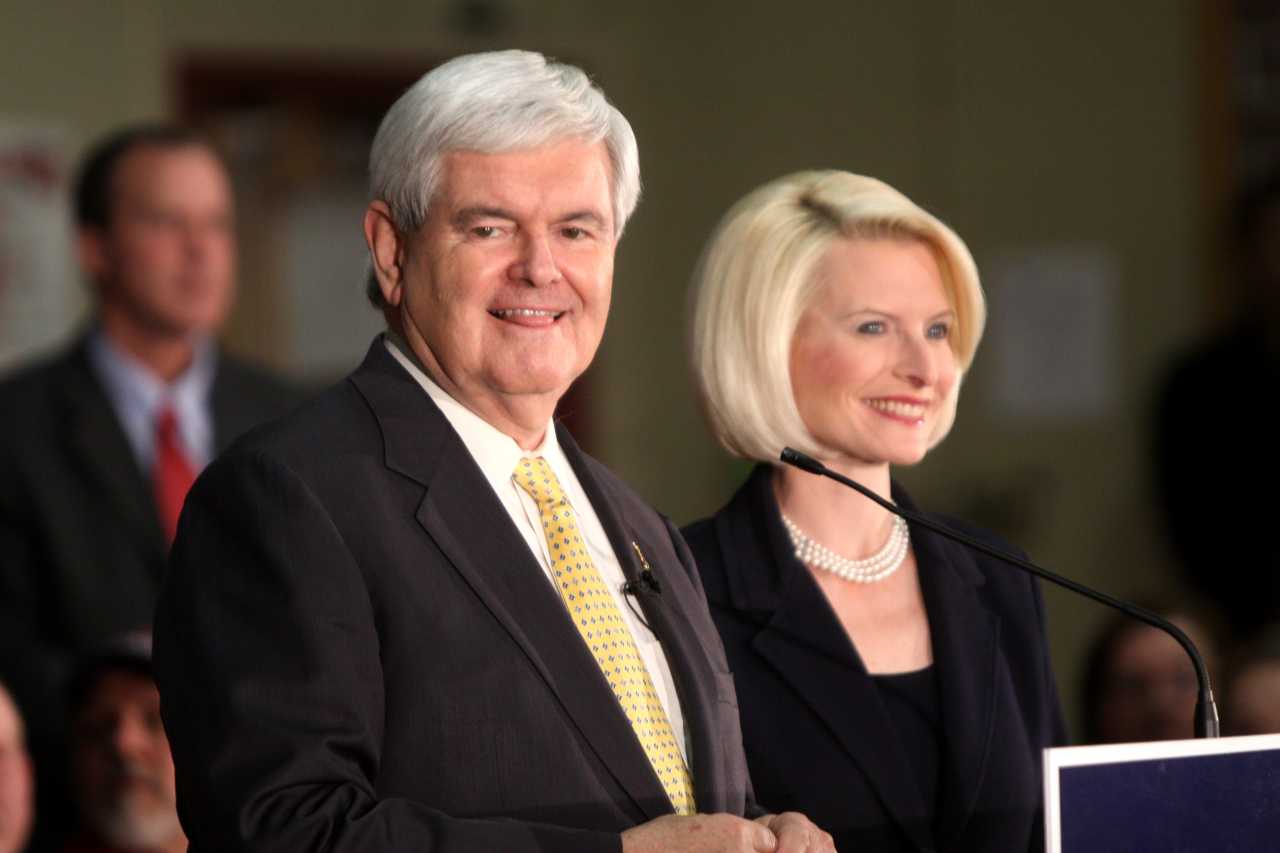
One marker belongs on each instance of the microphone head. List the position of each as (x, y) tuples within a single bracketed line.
[(794, 457)]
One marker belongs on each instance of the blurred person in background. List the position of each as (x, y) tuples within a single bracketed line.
[(1251, 700), (1218, 532), (1139, 684), (122, 769), (17, 795), (873, 660), (99, 443)]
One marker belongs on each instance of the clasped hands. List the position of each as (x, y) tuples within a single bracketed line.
[(789, 832)]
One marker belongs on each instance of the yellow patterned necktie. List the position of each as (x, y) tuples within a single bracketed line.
[(598, 619)]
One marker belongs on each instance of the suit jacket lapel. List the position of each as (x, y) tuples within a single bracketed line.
[(96, 437), (803, 640), (965, 635), (466, 521), (670, 621)]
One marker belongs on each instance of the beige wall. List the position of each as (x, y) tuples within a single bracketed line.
[(1021, 123)]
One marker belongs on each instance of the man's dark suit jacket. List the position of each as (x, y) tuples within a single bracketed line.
[(357, 651), (81, 547), (819, 740)]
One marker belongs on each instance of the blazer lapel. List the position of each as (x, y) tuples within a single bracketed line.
[(99, 443), (965, 636), (804, 641), (466, 521), (670, 622)]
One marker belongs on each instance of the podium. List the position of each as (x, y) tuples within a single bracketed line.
[(1217, 795)]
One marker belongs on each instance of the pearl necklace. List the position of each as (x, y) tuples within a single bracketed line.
[(877, 567)]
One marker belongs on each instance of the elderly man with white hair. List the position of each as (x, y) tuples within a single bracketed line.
[(414, 615)]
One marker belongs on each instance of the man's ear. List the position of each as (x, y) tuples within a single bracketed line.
[(94, 254), (386, 251)]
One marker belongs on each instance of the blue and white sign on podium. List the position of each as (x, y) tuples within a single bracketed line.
[(1217, 795)]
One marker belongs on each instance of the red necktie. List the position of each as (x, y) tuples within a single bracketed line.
[(172, 475)]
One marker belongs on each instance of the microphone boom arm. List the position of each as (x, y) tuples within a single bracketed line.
[(1206, 717)]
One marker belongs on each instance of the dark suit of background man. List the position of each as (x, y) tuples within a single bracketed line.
[(365, 642), (99, 442)]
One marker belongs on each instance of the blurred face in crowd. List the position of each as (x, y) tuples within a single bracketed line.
[(1149, 689), (15, 779), (872, 367), (504, 290), (123, 768), (164, 265), (1253, 700)]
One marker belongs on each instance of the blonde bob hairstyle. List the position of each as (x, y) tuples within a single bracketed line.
[(757, 276)]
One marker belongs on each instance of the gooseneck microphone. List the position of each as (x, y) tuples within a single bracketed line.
[(1206, 719)]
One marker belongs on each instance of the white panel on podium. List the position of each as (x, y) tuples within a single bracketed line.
[(1216, 795)]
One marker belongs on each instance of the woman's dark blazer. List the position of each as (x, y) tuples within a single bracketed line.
[(818, 739)]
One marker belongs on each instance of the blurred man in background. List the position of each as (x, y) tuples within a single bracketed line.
[(99, 443), (16, 792), (121, 765), (1218, 513)]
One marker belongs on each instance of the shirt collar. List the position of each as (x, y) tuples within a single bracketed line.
[(136, 394), (494, 451), (134, 385)]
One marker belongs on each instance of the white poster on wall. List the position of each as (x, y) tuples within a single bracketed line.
[(40, 296), (325, 265), (1053, 331)]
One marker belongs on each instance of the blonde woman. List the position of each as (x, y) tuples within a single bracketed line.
[(893, 686)]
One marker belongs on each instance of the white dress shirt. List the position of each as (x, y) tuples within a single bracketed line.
[(497, 454)]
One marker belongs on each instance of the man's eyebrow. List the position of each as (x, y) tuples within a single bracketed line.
[(469, 214), (592, 216)]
